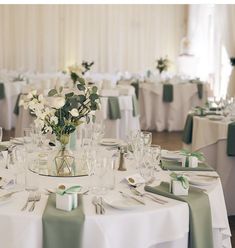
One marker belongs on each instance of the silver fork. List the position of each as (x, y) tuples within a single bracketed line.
[(153, 198), (37, 198), (30, 199)]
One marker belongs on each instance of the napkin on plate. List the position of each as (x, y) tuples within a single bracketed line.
[(177, 166), (200, 224)]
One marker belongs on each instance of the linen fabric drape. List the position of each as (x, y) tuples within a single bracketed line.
[(48, 38)]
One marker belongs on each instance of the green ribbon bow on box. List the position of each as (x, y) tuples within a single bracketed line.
[(70, 190), (188, 153), (181, 178)]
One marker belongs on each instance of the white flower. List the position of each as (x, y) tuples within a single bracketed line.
[(74, 112), (54, 119), (56, 102), (32, 94)]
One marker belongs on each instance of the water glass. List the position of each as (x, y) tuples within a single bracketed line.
[(146, 137), (28, 140), (146, 168), (31, 174), (109, 178), (1, 134), (98, 186)]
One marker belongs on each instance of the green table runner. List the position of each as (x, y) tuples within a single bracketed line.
[(60, 228), (231, 139), (167, 93), (136, 86), (200, 224), (2, 91), (135, 105), (17, 108), (188, 130), (200, 90), (114, 108), (177, 166)]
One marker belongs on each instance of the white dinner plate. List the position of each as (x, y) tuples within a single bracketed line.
[(171, 155), (201, 181), (120, 202), (109, 142), (215, 117), (5, 199)]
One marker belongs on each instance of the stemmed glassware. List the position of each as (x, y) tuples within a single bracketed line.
[(1, 134)]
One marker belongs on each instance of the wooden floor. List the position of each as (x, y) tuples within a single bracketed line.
[(167, 140)]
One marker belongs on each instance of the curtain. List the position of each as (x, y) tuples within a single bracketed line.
[(225, 26), (48, 38)]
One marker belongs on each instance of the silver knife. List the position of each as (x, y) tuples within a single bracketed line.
[(131, 197), (9, 194)]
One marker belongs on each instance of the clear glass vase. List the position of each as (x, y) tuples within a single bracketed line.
[(64, 161)]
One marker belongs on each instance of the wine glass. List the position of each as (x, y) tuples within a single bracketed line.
[(1, 134), (146, 137)]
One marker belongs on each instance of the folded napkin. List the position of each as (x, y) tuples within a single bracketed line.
[(135, 104), (167, 93), (188, 130), (200, 90), (136, 86), (231, 139), (114, 108), (2, 91), (177, 166), (3, 148), (62, 229), (17, 108), (200, 224)]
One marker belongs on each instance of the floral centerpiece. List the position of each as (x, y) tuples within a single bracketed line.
[(163, 64), (62, 111)]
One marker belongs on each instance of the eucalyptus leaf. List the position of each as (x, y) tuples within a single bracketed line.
[(52, 92)]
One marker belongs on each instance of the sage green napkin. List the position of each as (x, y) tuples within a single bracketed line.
[(17, 108), (200, 90), (231, 139), (114, 108), (2, 91), (3, 148), (60, 228), (177, 166), (136, 86), (200, 224), (167, 93), (135, 105), (188, 130)]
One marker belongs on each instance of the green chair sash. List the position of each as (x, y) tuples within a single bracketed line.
[(200, 90), (231, 139), (114, 108), (2, 91), (135, 105), (136, 86), (188, 130), (167, 93), (17, 107), (200, 224), (60, 228)]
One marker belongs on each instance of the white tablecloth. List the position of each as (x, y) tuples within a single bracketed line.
[(158, 115), (210, 137), (152, 225)]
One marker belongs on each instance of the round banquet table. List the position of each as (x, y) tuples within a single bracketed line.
[(149, 226), (158, 115), (210, 137)]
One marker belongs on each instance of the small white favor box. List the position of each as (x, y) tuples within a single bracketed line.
[(193, 162), (177, 188), (66, 202)]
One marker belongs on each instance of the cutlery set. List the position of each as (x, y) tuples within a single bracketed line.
[(99, 205), (32, 198)]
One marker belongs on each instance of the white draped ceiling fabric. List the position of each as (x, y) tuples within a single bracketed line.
[(117, 37), (225, 25)]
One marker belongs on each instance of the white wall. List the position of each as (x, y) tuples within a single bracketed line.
[(116, 37)]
